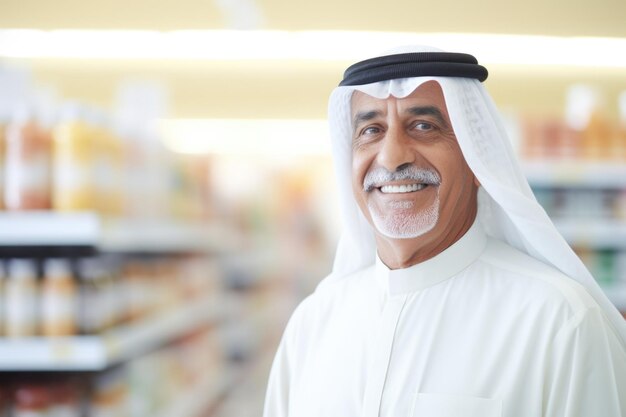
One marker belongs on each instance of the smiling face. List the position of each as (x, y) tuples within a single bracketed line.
[(408, 174)]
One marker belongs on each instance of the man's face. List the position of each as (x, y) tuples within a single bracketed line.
[(408, 173)]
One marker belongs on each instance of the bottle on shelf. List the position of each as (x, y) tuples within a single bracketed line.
[(65, 400), (109, 396), (586, 114), (620, 205), (31, 400), (621, 128), (21, 294), (58, 299), (27, 161), (2, 302), (107, 163), (73, 161), (94, 310), (2, 152), (4, 402), (13, 85)]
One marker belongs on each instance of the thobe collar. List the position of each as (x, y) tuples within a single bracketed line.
[(439, 268)]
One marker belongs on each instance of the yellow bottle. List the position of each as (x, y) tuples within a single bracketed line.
[(58, 299), (73, 161)]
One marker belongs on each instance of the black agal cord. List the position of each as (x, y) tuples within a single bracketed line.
[(414, 64)]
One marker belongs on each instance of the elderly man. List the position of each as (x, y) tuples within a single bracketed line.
[(452, 294)]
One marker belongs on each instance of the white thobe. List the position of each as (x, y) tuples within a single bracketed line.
[(480, 330)]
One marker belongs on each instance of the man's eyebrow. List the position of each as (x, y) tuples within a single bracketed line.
[(428, 111), (365, 116)]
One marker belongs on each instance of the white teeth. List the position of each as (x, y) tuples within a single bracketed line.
[(409, 188)]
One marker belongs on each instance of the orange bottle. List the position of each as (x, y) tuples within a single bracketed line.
[(27, 163), (58, 299)]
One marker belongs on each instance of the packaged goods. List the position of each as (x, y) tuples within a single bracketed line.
[(27, 164), (73, 161), (65, 400), (2, 302), (21, 299), (58, 299), (31, 400), (97, 297)]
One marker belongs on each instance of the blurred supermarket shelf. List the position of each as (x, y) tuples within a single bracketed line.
[(600, 174), (202, 396), (84, 232), (246, 397), (166, 236), (49, 228), (94, 353), (595, 233)]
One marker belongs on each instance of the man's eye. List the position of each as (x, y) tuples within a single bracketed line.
[(424, 126), (372, 130)]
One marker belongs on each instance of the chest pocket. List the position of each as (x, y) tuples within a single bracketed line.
[(442, 405)]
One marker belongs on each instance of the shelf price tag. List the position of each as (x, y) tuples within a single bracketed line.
[(62, 350)]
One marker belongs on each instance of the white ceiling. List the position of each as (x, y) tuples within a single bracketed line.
[(554, 17), (296, 89)]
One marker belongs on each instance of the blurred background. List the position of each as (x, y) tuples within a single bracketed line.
[(167, 194)]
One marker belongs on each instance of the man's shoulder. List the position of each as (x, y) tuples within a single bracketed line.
[(544, 281), (334, 291), (331, 295), (334, 283)]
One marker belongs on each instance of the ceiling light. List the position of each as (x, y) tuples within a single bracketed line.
[(307, 45)]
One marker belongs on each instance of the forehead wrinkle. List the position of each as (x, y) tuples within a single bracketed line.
[(364, 116)]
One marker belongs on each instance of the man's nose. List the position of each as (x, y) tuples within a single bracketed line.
[(395, 150)]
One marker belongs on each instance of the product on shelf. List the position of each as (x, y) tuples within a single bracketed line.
[(76, 157), (2, 302), (586, 115), (72, 158), (4, 402), (14, 87), (586, 132), (108, 165), (2, 162), (27, 164), (155, 384), (21, 294), (93, 308), (58, 299), (109, 394), (103, 295), (31, 400), (620, 205), (87, 161), (586, 204), (65, 399)]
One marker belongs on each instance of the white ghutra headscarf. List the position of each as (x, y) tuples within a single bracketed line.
[(507, 208)]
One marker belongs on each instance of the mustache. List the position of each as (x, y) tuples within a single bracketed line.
[(377, 177)]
